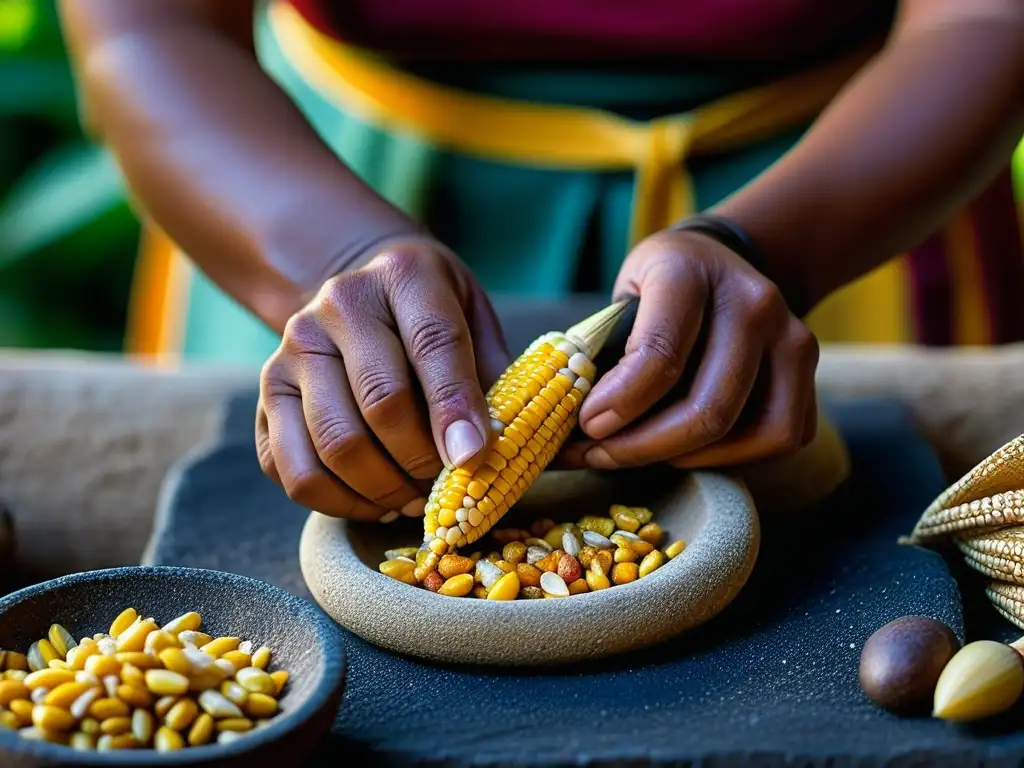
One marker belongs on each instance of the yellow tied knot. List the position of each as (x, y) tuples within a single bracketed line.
[(663, 192)]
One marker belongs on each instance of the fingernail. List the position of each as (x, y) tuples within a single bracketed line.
[(390, 517), (415, 507), (603, 425), (462, 441), (598, 458)]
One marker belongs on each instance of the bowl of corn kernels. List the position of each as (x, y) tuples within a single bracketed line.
[(164, 666), (585, 565)]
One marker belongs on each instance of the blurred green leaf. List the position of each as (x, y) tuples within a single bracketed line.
[(70, 187), (17, 21), (38, 87)]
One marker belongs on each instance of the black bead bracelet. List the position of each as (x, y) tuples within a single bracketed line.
[(726, 232)]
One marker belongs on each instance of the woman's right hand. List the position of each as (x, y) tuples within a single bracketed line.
[(378, 382)]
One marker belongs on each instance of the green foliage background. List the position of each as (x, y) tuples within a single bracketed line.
[(67, 235)]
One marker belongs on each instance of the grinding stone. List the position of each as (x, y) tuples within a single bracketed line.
[(711, 512)]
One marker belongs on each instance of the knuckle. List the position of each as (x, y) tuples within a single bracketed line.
[(788, 437), (266, 457), (805, 346), (764, 303), (449, 394), (303, 488), (336, 439), (301, 333), (424, 466), (713, 421), (663, 345), (437, 335), (383, 399)]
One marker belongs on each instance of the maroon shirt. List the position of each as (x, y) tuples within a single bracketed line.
[(605, 29)]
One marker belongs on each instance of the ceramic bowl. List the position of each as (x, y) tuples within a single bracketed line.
[(303, 641), (711, 512)]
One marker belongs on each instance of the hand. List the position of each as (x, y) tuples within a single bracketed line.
[(377, 382), (716, 336)]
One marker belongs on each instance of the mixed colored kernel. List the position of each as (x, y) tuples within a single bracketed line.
[(550, 560), (138, 686)]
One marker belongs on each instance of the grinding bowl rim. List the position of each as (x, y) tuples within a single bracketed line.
[(333, 662)]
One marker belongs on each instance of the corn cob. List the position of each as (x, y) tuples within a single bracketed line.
[(999, 555), (1008, 599), (533, 405)]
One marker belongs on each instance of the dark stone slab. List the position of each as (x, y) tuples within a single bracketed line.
[(773, 680)]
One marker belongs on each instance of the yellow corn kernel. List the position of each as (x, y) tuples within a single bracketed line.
[(103, 709), (61, 640), (597, 580), (479, 592), (40, 654), (401, 570), (201, 731), (115, 726), (280, 678), (651, 533), (234, 693), (602, 525), (505, 588), (89, 725), (41, 734), (578, 587), (9, 720), (624, 518), (190, 621), (22, 708), (642, 548), (194, 637), (48, 678), (83, 742), (176, 661), (216, 704), (163, 705), (261, 657), (675, 549), (138, 659), (457, 586), (211, 677), (106, 742), (257, 680), (651, 562), (259, 705), (137, 697), (165, 682), (82, 653), (142, 725), (11, 690), (238, 659), (625, 554), (52, 718), (58, 664), (157, 641), (101, 665), (64, 695), (222, 645), (14, 661), (623, 573), (132, 675), (167, 740), (16, 674), (124, 620), (134, 638), (643, 514), (182, 715), (236, 724)]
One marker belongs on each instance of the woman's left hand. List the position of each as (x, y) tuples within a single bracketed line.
[(717, 335)]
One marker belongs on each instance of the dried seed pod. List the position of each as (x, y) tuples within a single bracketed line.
[(901, 662), (983, 679)]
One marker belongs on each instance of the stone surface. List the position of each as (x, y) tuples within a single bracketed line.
[(712, 513), (302, 639), (770, 681)]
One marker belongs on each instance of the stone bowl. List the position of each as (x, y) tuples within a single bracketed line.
[(712, 512), (303, 641)]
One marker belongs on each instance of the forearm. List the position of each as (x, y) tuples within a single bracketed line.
[(919, 133), (218, 156)]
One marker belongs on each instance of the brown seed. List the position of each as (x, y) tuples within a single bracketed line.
[(433, 581), (587, 556), (454, 565), (901, 662), (529, 575), (480, 592), (531, 593), (569, 568), (514, 552)]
